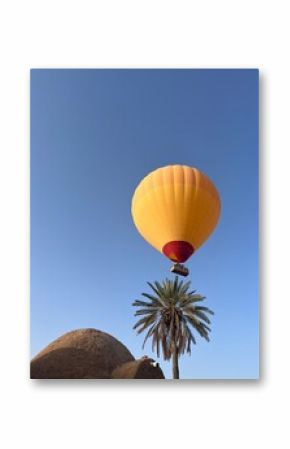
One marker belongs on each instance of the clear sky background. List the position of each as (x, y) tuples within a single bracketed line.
[(94, 135)]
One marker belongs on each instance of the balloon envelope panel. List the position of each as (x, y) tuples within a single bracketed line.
[(175, 204)]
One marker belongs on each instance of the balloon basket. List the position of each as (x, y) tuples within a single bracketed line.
[(179, 269)]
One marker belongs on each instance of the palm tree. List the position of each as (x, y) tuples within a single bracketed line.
[(168, 317)]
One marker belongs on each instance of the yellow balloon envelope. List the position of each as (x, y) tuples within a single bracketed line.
[(176, 208)]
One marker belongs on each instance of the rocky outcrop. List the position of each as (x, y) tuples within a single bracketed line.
[(144, 368), (90, 354)]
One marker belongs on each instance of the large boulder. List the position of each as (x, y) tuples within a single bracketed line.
[(144, 368), (90, 354), (80, 354)]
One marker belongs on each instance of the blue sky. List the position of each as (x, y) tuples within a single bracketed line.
[(94, 135)]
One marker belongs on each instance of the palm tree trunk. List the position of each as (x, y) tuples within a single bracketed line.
[(175, 369)]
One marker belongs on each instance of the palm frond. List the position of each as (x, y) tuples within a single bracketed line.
[(202, 315), (144, 322), (196, 298), (149, 333), (159, 289), (154, 288), (151, 297), (183, 287), (198, 326), (206, 309), (146, 311), (138, 303), (191, 293)]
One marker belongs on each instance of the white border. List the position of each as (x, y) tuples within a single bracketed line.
[(144, 34)]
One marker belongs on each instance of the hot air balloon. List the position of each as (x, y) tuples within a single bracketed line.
[(175, 209)]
